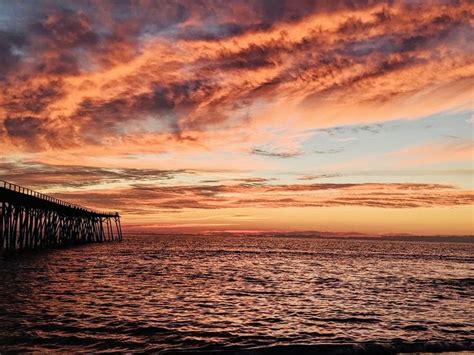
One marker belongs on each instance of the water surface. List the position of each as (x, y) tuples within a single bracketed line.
[(196, 293)]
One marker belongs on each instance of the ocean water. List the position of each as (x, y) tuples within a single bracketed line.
[(252, 295)]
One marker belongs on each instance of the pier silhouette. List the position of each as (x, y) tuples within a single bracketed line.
[(31, 220)]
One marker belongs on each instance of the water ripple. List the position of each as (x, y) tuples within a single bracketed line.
[(169, 294)]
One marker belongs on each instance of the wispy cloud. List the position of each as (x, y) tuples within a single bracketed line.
[(39, 175), (180, 197), (319, 176), (99, 74), (328, 151), (276, 154)]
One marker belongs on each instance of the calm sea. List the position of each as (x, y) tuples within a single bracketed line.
[(239, 294)]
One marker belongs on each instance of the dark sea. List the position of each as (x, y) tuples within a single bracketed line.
[(242, 295)]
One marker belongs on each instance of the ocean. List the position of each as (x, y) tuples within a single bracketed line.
[(239, 294)]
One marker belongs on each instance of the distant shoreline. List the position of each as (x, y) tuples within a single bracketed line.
[(316, 235)]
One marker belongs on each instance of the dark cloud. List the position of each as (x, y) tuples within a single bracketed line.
[(38, 175), (283, 155), (329, 151), (254, 180), (253, 57), (319, 176), (23, 127), (10, 45), (273, 10), (212, 31), (62, 64), (177, 98), (33, 99), (383, 44), (356, 129), (28, 131), (66, 29)]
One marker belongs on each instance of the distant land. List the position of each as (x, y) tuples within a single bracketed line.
[(321, 235)]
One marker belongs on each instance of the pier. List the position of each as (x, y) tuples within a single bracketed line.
[(32, 220)]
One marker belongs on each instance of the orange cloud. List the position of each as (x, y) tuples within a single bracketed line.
[(155, 198), (184, 75)]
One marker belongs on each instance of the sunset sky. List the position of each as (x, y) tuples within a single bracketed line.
[(351, 115)]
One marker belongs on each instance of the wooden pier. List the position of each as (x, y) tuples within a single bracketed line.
[(31, 220)]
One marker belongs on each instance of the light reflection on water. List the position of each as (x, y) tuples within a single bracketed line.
[(150, 293)]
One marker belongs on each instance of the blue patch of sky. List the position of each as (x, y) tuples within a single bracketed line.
[(354, 141), (346, 144)]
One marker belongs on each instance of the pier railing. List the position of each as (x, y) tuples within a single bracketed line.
[(23, 190)]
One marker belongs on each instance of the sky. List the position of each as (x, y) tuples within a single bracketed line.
[(244, 115)]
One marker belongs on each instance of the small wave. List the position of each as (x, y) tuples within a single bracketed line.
[(338, 349), (150, 330), (416, 327), (347, 320), (460, 283)]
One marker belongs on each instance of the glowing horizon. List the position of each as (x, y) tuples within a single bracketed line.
[(348, 116)]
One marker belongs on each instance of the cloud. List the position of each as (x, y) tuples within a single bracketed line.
[(10, 44), (319, 176), (329, 151), (108, 72), (151, 198), (144, 194), (355, 129), (283, 155), (37, 175)]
